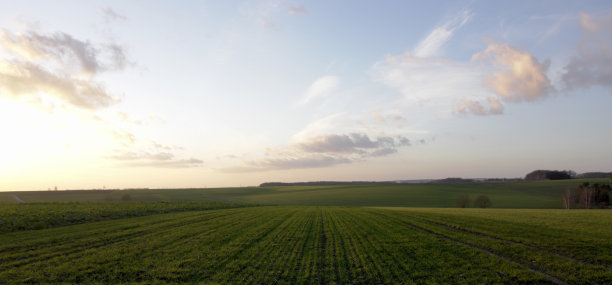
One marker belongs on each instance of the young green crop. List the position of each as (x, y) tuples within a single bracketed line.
[(304, 245), (35, 216)]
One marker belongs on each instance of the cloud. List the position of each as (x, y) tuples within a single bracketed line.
[(430, 82), (124, 137), (58, 66), (324, 151), (296, 10), (499, 74), (378, 116), (433, 43), (519, 76), (124, 117), (588, 23), (18, 79), (478, 108), (111, 15), (347, 144), (592, 66), (315, 161), (156, 119), (157, 159), (161, 146), (321, 87)]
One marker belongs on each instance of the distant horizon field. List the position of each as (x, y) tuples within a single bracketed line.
[(523, 194)]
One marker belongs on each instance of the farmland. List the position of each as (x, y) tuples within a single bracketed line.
[(530, 195), (363, 234), (306, 244), (35, 216)]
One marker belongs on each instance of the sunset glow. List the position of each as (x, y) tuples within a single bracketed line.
[(132, 94)]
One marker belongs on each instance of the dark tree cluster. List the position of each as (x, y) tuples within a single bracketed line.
[(549, 175)]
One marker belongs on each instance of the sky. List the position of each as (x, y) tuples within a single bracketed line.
[(174, 94)]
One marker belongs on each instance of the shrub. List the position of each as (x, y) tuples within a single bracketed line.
[(482, 202), (126, 197), (463, 201)]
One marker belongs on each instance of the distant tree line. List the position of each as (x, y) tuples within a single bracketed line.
[(564, 174), (550, 175), (454, 180)]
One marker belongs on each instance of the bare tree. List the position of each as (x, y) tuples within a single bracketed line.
[(586, 195), (567, 198)]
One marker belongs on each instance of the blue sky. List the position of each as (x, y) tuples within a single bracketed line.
[(228, 93)]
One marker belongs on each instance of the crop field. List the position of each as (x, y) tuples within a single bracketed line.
[(36, 216), (321, 245), (525, 195)]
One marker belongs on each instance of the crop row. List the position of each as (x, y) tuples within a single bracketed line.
[(18, 217), (576, 259), (297, 245)]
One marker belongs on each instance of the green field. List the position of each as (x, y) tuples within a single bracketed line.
[(358, 234), (324, 245), (36, 216), (541, 194)]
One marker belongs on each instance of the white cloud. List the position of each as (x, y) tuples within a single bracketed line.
[(323, 86), (518, 76), (433, 43), (433, 83), (499, 74)]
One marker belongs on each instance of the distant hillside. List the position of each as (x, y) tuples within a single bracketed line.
[(589, 175)]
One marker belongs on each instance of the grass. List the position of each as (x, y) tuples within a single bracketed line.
[(322, 245), (541, 194)]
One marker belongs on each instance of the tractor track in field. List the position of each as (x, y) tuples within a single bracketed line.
[(486, 251), (481, 234), (17, 199)]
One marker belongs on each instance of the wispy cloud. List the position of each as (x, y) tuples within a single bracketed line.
[(296, 9), (111, 15), (592, 65), (324, 151), (349, 144), (323, 86), (495, 107), (155, 159), (432, 45), (499, 74), (127, 118), (434, 83), (59, 66)]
